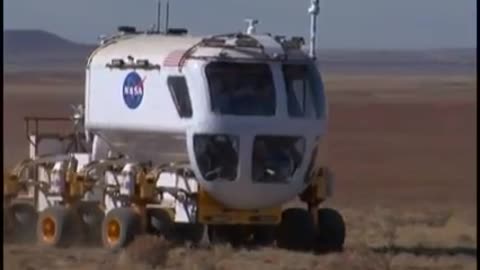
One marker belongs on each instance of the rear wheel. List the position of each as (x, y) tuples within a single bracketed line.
[(120, 227), (57, 226), (92, 217), (296, 230), (19, 220)]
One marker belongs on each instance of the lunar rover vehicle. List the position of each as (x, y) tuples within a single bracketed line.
[(187, 137)]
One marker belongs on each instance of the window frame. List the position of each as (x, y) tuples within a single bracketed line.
[(173, 94), (316, 98), (271, 75)]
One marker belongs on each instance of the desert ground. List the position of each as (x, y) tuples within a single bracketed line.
[(403, 150)]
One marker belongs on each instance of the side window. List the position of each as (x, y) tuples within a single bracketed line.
[(179, 91), (297, 97), (301, 92)]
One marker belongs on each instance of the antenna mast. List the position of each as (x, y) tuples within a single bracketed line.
[(159, 9), (251, 26), (313, 10), (167, 16)]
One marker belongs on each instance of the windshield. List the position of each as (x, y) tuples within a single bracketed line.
[(304, 91), (241, 88)]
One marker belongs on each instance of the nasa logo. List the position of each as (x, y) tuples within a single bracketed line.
[(133, 90)]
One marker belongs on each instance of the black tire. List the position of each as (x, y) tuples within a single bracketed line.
[(296, 230), (263, 235), (92, 218), (58, 226), (189, 233), (19, 220), (331, 231), (126, 224), (160, 223), (235, 235)]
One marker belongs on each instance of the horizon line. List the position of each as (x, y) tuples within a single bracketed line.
[(324, 49)]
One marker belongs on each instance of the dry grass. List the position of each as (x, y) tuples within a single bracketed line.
[(378, 239), (383, 239), (146, 250)]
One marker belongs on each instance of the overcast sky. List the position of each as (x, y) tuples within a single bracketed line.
[(342, 23)]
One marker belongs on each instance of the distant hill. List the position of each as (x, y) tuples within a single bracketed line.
[(40, 50), (38, 41), (37, 49)]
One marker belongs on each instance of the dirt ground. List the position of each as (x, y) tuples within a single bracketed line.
[(403, 149)]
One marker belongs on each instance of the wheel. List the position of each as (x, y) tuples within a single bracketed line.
[(263, 235), (119, 228), (18, 220), (189, 232), (160, 222), (296, 230), (57, 226), (331, 231), (92, 217), (235, 235)]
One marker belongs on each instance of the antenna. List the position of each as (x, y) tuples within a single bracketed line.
[(159, 9), (313, 10), (167, 16), (251, 26)]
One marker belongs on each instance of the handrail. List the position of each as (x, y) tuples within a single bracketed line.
[(186, 55)]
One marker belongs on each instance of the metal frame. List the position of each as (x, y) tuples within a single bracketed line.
[(36, 121), (36, 126), (204, 42), (222, 38)]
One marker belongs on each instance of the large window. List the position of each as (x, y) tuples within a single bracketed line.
[(241, 88), (304, 91), (179, 91)]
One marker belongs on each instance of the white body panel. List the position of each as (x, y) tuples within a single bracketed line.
[(154, 125), (155, 132)]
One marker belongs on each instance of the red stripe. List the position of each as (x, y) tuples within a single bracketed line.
[(173, 59)]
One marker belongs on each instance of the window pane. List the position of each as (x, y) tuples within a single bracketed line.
[(241, 88), (179, 91), (304, 91)]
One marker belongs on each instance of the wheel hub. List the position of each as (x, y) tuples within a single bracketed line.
[(113, 231), (48, 229)]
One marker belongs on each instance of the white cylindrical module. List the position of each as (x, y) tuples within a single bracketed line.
[(158, 98)]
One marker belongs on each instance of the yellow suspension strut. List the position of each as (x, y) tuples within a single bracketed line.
[(144, 193), (317, 191)]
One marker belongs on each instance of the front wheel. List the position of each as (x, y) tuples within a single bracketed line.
[(189, 232), (296, 230), (331, 231), (235, 235), (264, 235)]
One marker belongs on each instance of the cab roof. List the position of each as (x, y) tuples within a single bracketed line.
[(159, 50)]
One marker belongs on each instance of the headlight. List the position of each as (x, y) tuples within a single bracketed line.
[(276, 158), (217, 156)]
